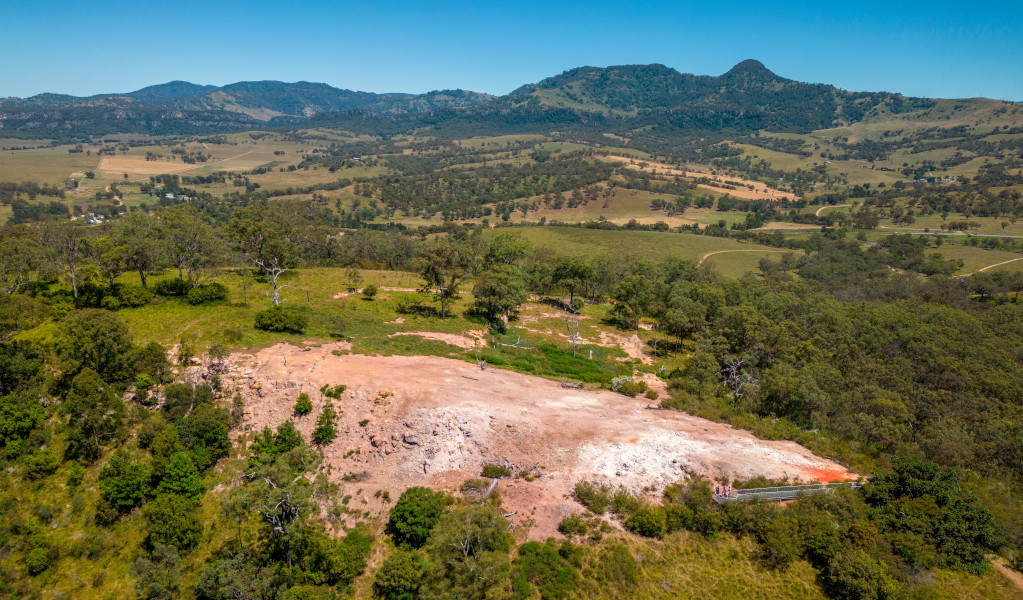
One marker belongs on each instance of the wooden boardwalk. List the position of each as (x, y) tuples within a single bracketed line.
[(786, 492)]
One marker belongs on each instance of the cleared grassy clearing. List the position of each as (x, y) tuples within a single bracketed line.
[(975, 258), (651, 245)]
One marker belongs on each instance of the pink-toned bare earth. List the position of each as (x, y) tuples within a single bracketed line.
[(436, 421)]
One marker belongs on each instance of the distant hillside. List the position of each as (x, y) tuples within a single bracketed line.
[(181, 107), (652, 106)]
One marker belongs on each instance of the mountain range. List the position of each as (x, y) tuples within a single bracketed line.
[(629, 99)]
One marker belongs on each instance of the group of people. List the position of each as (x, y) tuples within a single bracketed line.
[(723, 491)]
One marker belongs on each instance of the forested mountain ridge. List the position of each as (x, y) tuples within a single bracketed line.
[(747, 93), (262, 100), (653, 99)]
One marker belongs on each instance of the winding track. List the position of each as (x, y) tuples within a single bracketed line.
[(709, 254)]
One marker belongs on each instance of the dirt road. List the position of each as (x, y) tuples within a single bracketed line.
[(436, 421), (709, 254), (1004, 262), (819, 210)]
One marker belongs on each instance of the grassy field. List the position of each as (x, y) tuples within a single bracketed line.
[(650, 245)]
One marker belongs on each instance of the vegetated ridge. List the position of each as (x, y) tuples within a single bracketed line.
[(645, 100)]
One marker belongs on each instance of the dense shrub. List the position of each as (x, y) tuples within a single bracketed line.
[(495, 471), (303, 406), (123, 482), (173, 520), (325, 431), (593, 496), (277, 318), (207, 292), (38, 560), (339, 562), (648, 521), (414, 515), (543, 567), (572, 525), (172, 287), (204, 435), (133, 294), (181, 477), (400, 575)]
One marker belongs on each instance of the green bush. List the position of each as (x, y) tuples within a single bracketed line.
[(369, 292), (573, 525), (75, 473), (303, 406), (123, 482), (110, 303), (277, 318), (400, 575), (41, 463), (414, 515), (495, 471), (333, 392), (628, 386), (37, 561), (173, 520), (648, 521), (134, 294), (593, 496), (325, 431), (207, 292), (339, 562), (181, 477), (172, 287), (617, 566), (541, 565), (204, 433)]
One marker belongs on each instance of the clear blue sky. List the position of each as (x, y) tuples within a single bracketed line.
[(935, 49)]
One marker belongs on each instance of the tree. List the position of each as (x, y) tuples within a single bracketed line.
[(854, 575), (414, 516), (238, 577), (123, 482), (139, 234), (20, 414), (94, 414), (442, 266), (204, 433), (499, 290), (110, 260), (400, 576), (97, 340), (282, 500), (173, 520), (190, 243), (181, 477), (324, 433), (21, 259), (468, 550), (158, 577), (262, 234), (571, 273), (67, 250)]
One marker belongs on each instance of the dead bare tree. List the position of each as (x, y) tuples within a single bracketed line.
[(274, 268), (737, 380), (572, 323)]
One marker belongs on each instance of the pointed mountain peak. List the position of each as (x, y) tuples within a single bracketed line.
[(751, 70), (749, 66)]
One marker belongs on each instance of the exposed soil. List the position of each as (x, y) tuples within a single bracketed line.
[(435, 421), (760, 191), (462, 341)]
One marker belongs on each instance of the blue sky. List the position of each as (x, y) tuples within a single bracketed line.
[(935, 49)]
